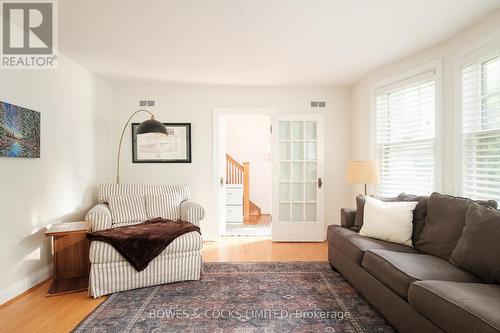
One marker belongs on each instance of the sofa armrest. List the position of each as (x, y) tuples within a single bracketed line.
[(99, 217), (192, 212), (347, 217)]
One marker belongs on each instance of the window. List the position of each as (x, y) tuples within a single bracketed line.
[(481, 129), (405, 134)]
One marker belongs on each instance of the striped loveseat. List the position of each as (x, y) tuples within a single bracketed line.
[(180, 261)]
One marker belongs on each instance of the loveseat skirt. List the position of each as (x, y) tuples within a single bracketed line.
[(111, 277)]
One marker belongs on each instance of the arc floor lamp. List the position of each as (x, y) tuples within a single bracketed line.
[(147, 126)]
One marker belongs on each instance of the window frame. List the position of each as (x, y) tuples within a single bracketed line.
[(473, 54), (435, 66)]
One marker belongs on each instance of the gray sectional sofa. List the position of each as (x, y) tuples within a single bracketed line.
[(424, 288)]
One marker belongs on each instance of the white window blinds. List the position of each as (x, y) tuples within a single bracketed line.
[(481, 129), (405, 131)]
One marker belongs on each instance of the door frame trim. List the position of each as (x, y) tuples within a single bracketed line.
[(216, 114)]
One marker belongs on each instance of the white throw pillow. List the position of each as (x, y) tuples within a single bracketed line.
[(127, 208), (166, 205), (388, 221)]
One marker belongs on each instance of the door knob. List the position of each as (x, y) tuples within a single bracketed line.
[(320, 183), (221, 181)]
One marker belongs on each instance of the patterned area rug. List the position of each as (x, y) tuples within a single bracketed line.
[(248, 229), (242, 297)]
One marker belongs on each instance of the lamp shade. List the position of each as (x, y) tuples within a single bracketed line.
[(151, 126), (364, 172)]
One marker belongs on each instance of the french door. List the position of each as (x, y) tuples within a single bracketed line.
[(297, 150)]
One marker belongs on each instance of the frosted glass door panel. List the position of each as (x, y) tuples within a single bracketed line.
[(310, 171), (284, 192), (297, 151), (310, 130), (284, 130), (310, 192), (297, 171), (298, 192), (297, 130), (284, 171), (310, 213), (310, 151), (285, 151)]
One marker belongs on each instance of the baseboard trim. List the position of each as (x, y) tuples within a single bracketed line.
[(21, 287), (210, 238)]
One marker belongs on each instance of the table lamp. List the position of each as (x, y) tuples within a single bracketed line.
[(363, 172)]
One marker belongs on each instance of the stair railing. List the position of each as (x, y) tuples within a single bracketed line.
[(237, 173)]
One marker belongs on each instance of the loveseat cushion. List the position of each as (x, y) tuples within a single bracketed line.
[(107, 191), (354, 246), (128, 208), (398, 270), (458, 307), (101, 252), (478, 249), (444, 223), (164, 205)]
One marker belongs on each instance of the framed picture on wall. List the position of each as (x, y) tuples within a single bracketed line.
[(175, 147), (19, 131)]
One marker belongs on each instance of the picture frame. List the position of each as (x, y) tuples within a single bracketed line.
[(19, 131), (158, 148)]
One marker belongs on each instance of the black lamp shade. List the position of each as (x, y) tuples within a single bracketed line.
[(151, 126)]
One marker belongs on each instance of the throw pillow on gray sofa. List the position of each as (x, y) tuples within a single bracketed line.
[(478, 249), (444, 223), (419, 213), (360, 209)]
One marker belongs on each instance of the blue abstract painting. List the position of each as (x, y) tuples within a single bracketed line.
[(19, 131)]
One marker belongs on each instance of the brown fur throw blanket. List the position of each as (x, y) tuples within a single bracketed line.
[(141, 243)]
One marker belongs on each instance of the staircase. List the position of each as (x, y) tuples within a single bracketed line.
[(239, 173)]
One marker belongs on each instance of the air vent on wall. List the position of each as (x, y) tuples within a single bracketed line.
[(318, 104), (147, 103)]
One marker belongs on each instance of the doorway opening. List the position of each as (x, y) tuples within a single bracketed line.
[(245, 157)]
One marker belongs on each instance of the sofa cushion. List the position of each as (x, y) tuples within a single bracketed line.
[(166, 205), (444, 223), (458, 307), (127, 208), (398, 270), (419, 213), (478, 249), (354, 246), (338, 236)]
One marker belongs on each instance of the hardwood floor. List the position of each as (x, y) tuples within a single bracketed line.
[(262, 249), (34, 312)]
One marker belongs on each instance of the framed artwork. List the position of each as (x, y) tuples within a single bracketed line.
[(175, 147), (19, 131)]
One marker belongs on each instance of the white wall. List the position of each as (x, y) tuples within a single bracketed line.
[(195, 104), (248, 139), (448, 53), (59, 186)]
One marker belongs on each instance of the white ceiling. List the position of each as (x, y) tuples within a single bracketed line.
[(255, 42)]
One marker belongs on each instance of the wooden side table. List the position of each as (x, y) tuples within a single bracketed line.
[(71, 257)]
